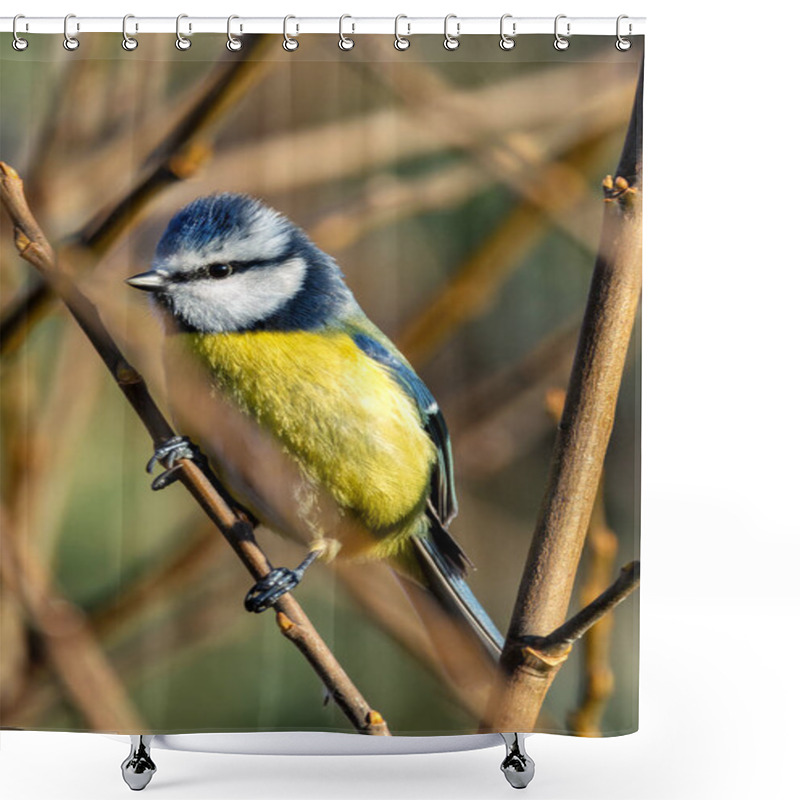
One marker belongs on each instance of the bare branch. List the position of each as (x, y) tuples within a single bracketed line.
[(601, 550), (580, 447), (556, 190), (292, 621), (563, 637), (176, 158)]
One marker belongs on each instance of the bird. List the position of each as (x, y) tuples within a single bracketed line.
[(268, 320)]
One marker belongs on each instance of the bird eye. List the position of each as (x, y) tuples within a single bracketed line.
[(220, 270)]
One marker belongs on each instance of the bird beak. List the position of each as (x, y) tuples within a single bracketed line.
[(150, 281)]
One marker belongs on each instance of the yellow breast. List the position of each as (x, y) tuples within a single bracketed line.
[(337, 411)]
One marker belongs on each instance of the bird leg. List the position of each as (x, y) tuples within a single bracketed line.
[(274, 585), (169, 453), (180, 447)]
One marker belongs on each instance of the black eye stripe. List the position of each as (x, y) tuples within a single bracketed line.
[(199, 273)]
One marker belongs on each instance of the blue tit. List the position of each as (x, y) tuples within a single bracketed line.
[(271, 323)]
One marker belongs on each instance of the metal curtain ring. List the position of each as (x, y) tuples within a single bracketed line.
[(128, 42), (289, 42), (234, 43), (507, 42), (18, 43), (345, 43), (70, 42), (401, 42), (560, 42), (181, 42), (622, 43), (451, 42)]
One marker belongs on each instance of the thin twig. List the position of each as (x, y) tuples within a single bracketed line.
[(292, 621), (307, 157), (388, 199), (556, 190), (180, 154), (563, 637), (580, 447)]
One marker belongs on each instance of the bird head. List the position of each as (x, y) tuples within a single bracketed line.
[(230, 263)]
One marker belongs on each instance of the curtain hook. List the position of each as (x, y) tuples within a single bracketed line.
[(507, 42), (129, 42), (290, 43), (451, 42), (181, 42), (234, 43), (70, 42), (622, 43), (18, 43), (401, 42), (345, 43), (560, 42)]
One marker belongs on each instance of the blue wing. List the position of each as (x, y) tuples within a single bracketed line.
[(439, 556), (443, 493)]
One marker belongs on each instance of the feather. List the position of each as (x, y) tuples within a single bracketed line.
[(443, 493)]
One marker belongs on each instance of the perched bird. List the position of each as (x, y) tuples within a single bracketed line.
[(268, 318)]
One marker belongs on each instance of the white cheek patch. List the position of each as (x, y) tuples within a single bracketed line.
[(240, 300)]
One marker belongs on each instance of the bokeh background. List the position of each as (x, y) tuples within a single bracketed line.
[(460, 193)]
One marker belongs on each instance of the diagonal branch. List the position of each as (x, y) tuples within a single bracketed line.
[(563, 637), (292, 621), (182, 151), (580, 447)]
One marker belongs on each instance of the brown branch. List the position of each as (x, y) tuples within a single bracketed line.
[(492, 421), (388, 199), (556, 190), (318, 154), (72, 649), (580, 447), (183, 150), (292, 621), (563, 637), (601, 553), (547, 194)]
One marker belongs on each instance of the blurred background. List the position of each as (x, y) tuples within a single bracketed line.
[(460, 193)]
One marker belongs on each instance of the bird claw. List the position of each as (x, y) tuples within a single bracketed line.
[(169, 453), (280, 580)]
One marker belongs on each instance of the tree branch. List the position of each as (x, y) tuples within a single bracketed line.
[(600, 555), (176, 158), (292, 621), (563, 637), (580, 447)]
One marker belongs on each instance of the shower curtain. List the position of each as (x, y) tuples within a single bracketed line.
[(464, 195)]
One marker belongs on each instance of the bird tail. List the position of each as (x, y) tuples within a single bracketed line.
[(443, 565)]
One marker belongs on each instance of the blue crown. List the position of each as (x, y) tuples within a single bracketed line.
[(208, 219)]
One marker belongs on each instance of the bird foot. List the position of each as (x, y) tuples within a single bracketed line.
[(266, 592), (169, 453)]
